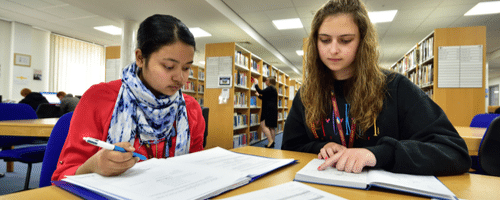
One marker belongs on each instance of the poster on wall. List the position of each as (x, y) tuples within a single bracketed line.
[(20, 79), (216, 68), (37, 75)]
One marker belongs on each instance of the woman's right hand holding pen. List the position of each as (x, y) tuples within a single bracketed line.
[(108, 162)]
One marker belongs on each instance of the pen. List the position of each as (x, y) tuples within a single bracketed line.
[(109, 146)]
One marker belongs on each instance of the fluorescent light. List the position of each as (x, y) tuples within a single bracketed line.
[(283, 24), (382, 16), (485, 8), (300, 52), (110, 29), (198, 32)]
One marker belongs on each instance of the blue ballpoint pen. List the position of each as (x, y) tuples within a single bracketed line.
[(109, 146)]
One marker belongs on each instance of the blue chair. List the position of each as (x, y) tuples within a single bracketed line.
[(16, 111), (483, 120), (54, 147), (28, 155), (488, 155)]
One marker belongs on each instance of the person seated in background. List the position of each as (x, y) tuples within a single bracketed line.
[(68, 102), (32, 98), (497, 111)]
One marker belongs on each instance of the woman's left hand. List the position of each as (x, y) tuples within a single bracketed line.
[(350, 160)]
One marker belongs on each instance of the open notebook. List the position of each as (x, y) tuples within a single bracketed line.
[(428, 186), (197, 175)]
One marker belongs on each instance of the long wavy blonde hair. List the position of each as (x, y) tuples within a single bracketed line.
[(366, 87)]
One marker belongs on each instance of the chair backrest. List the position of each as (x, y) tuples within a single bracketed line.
[(54, 146), (205, 111), (47, 110), (483, 120), (489, 155), (16, 111)]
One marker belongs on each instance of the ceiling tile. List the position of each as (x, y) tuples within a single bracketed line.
[(402, 27), (245, 6), (286, 13), (266, 29), (449, 11), (68, 12), (420, 13), (255, 17)]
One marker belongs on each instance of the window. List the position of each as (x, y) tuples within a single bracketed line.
[(75, 65), (493, 95)]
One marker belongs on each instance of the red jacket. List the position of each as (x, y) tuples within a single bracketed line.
[(92, 117)]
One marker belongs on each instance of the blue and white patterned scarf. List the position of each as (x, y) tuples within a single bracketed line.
[(138, 112)]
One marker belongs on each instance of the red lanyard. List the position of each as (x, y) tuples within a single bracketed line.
[(339, 125)]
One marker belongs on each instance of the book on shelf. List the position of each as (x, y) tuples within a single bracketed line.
[(199, 175), (288, 190), (423, 185)]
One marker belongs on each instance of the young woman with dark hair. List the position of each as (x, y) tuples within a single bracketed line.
[(144, 112)]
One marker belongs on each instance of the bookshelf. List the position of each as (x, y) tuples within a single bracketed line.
[(293, 85), (420, 65), (237, 122), (195, 86)]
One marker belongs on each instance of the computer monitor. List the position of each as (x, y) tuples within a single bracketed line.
[(51, 97)]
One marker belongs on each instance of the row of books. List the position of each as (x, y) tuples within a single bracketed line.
[(189, 86), (253, 101), (240, 99), (265, 70), (240, 79), (426, 49), (191, 72), (254, 66), (422, 53), (240, 120), (240, 140), (423, 76), (240, 59), (281, 115), (201, 88), (201, 75), (280, 104), (253, 136), (254, 119)]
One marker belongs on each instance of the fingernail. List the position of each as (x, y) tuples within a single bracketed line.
[(326, 158), (319, 168)]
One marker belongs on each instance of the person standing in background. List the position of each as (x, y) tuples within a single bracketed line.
[(68, 102), (269, 113), (32, 98)]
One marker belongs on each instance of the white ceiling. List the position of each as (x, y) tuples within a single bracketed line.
[(239, 20)]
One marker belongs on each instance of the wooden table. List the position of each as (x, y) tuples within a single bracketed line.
[(472, 137), (465, 186), (27, 127)]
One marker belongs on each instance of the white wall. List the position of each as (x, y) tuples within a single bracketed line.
[(23, 39), (4, 57)]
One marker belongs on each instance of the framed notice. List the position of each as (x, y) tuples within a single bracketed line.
[(22, 60)]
